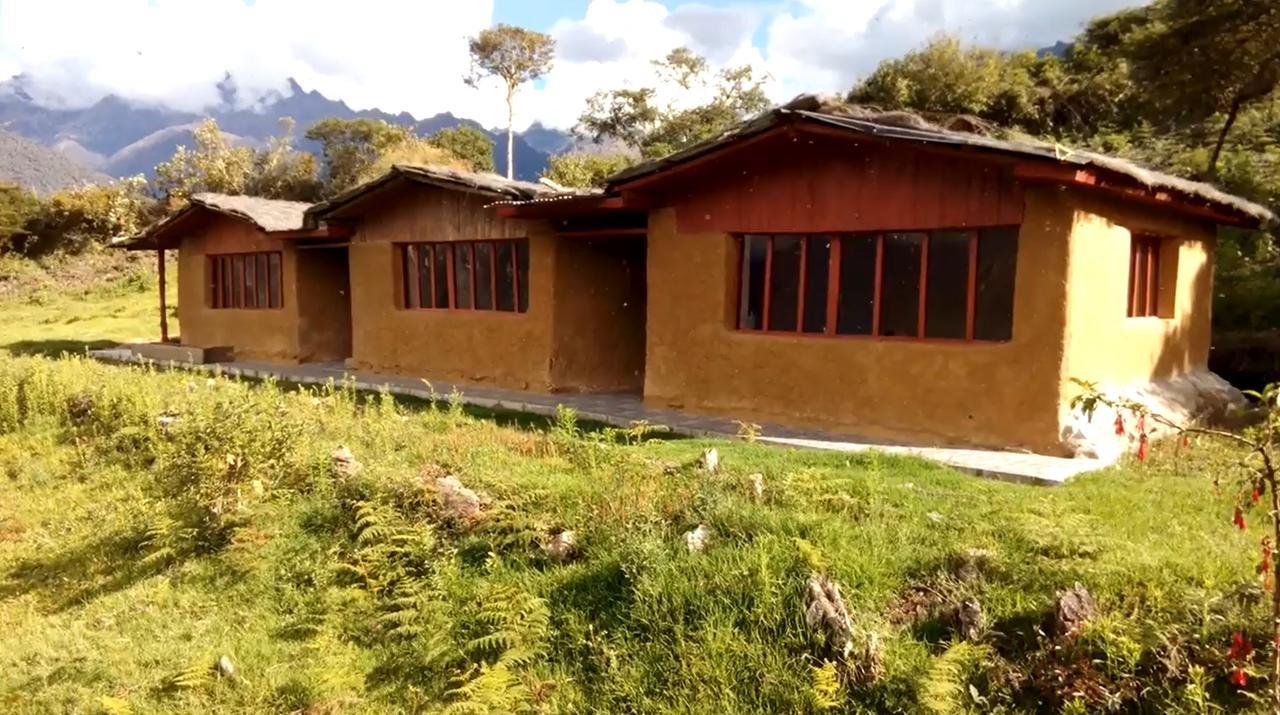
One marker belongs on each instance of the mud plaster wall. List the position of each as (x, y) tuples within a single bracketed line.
[(1105, 345), (988, 394), (259, 334), (599, 315), (502, 348)]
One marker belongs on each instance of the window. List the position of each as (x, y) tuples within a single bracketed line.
[(947, 285), (466, 275), (245, 280), (1144, 276)]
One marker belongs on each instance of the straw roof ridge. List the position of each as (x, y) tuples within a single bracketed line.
[(266, 214)]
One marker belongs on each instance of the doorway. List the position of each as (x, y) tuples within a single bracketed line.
[(324, 303)]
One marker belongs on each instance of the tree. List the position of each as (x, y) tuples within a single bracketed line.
[(350, 146), (585, 171), (75, 219), (514, 55), (1200, 57), (634, 117), (214, 165), (17, 206), (282, 172), (469, 144)]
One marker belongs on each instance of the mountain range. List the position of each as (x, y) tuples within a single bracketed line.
[(118, 137)]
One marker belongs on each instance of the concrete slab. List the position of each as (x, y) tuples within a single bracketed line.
[(623, 410)]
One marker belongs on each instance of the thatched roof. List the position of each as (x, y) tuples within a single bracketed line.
[(486, 184), (956, 131), (265, 214)]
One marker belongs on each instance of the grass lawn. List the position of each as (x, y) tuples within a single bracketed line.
[(154, 523)]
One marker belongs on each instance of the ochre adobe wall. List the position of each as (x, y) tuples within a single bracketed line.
[(986, 394), (255, 334), (1105, 345), (502, 348)]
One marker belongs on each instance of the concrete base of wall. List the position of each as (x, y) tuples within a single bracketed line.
[(188, 354), (1194, 397)]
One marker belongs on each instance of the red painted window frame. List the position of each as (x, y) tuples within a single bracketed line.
[(229, 281), (1144, 276), (833, 285), (411, 278)]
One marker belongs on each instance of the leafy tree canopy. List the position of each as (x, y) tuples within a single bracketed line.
[(638, 119), (350, 147), (514, 55), (584, 171), (469, 144)]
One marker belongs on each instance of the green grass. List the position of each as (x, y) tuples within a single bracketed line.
[(73, 304), (135, 552)]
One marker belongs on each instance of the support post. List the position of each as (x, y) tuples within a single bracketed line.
[(164, 309)]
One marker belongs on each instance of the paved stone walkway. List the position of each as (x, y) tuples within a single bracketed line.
[(624, 409)]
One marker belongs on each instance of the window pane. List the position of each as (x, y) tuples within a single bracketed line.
[(442, 275), (261, 260), (856, 300), (226, 277), (462, 274), (237, 285), (273, 279), (997, 266), (484, 276), (215, 295), (250, 281), (947, 293), (522, 272), (425, 289), (816, 269), (406, 276), (506, 275), (900, 284), (784, 283), (751, 300)]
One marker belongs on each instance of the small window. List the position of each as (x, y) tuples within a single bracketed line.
[(466, 275), (1144, 276), (946, 285), (245, 280)]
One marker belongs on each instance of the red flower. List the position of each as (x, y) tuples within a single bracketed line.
[(1238, 678), (1142, 447), (1241, 648), (1119, 424), (1142, 425), (1256, 495), (1238, 519), (1186, 440)]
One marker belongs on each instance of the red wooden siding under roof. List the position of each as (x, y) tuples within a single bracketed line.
[(808, 183)]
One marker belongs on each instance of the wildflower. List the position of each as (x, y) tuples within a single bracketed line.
[(1241, 648), (1119, 425), (1238, 678), (1238, 518), (1255, 495), (1142, 447), (1142, 425)]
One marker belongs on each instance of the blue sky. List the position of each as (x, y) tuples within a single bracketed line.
[(411, 55)]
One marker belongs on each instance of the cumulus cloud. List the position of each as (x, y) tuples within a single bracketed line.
[(402, 55)]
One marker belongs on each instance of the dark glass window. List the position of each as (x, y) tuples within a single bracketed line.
[(947, 291), (755, 252), (469, 275), (440, 267), (857, 295), (462, 274), (900, 284), (817, 266), (484, 276), (506, 263), (997, 266), (784, 283), (522, 274), (245, 280)]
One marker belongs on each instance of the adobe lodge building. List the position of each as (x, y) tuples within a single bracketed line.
[(821, 266)]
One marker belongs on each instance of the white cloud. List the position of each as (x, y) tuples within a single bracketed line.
[(404, 55)]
